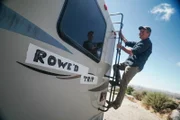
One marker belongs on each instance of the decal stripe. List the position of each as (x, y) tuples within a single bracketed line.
[(68, 77), (12, 21), (41, 71)]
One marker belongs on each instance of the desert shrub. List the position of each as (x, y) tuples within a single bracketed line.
[(139, 95), (129, 90), (159, 101), (144, 93)]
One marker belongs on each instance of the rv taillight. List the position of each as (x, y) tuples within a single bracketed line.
[(105, 7)]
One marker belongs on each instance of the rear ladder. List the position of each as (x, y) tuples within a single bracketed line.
[(117, 61)]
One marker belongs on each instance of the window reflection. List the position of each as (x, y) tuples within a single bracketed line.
[(91, 46)]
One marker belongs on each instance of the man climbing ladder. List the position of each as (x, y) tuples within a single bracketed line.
[(138, 55)]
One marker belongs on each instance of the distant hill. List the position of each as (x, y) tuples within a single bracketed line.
[(170, 94)]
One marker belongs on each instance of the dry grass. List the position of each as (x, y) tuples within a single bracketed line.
[(163, 116)]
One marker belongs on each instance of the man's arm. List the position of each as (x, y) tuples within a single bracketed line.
[(137, 50), (127, 50), (127, 43), (130, 43), (141, 47)]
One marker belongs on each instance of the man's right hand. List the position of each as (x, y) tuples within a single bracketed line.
[(122, 36)]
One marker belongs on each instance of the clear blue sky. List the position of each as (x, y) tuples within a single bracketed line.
[(162, 70)]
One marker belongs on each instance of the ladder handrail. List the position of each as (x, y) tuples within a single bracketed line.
[(117, 59)]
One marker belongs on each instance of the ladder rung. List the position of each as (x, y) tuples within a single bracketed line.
[(109, 76), (116, 22), (118, 38), (114, 14)]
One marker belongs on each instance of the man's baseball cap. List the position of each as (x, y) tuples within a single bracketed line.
[(146, 28)]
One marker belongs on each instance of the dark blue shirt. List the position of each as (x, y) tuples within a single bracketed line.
[(141, 51)]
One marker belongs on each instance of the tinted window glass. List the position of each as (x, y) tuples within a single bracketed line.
[(83, 26)]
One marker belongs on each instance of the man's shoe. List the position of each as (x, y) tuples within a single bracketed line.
[(115, 106), (114, 83), (112, 104)]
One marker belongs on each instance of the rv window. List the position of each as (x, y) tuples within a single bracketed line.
[(82, 25)]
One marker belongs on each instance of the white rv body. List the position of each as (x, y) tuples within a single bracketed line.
[(33, 84)]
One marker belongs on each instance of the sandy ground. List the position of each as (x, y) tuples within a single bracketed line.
[(130, 111)]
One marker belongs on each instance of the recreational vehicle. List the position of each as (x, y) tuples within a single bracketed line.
[(54, 55)]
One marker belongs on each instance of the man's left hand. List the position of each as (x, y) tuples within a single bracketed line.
[(119, 45)]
